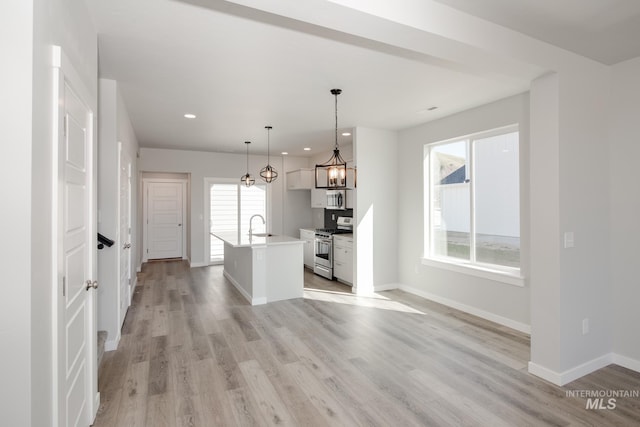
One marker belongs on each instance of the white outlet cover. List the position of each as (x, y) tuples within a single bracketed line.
[(569, 240)]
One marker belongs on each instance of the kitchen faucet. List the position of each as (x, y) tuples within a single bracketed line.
[(251, 221)]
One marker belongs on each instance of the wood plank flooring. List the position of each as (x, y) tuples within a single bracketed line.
[(194, 353)]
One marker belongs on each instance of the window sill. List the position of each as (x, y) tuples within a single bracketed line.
[(474, 270)]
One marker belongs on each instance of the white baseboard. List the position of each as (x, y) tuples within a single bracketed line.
[(562, 378), (544, 373), (626, 362), (96, 406), (198, 264), (510, 323), (245, 294), (380, 288), (386, 287), (111, 345), (132, 289)]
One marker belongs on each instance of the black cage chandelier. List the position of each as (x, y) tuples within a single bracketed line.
[(268, 173), (333, 172), (247, 179)]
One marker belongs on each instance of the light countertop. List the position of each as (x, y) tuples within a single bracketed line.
[(232, 238)]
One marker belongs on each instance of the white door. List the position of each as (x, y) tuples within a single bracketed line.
[(124, 235), (164, 220), (76, 326)]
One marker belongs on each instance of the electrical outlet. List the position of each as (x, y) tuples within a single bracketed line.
[(585, 326), (569, 241)]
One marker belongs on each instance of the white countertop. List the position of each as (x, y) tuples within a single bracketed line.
[(231, 237)]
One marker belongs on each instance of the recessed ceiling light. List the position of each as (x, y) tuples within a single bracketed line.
[(284, 153), (307, 149), (346, 133), (190, 116)]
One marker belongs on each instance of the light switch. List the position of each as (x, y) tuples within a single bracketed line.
[(568, 239)]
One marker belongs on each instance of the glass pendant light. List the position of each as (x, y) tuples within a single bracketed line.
[(333, 172), (247, 179), (268, 173)]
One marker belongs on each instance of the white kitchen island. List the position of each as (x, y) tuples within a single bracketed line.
[(264, 268)]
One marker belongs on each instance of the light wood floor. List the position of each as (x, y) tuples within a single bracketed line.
[(194, 353)]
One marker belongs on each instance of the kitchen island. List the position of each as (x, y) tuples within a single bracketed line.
[(264, 268)]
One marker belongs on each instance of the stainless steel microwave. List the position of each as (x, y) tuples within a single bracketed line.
[(336, 199)]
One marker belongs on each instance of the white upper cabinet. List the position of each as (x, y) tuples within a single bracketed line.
[(318, 198), (301, 179)]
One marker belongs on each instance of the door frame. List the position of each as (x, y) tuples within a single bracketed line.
[(63, 70), (122, 239), (145, 218)]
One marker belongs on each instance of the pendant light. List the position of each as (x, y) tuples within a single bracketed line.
[(333, 172), (247, 179), (268, 173)]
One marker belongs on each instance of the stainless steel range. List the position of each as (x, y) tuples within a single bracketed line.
[(323, 251)]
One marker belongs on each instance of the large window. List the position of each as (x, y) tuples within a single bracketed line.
[(472, 195), (231, 207)]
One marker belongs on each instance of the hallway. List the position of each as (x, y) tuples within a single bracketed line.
[(194, 353)]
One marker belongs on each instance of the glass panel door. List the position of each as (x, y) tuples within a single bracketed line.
[(224, 216), (231, 207)]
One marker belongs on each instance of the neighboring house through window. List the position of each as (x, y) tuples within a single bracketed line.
[(472, 201)]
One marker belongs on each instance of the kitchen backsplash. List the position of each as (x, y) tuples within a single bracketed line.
[(331, 216)]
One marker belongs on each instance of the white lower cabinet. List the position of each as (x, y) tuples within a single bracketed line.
[(308, 236), (343, 258)]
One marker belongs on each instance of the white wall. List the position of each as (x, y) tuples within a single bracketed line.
[(219, 165), (499, 299), (16, 43), (113, 126), (29, 29), (545, 219), (569, 177), (376, 213), (585, 269), (625, 207)]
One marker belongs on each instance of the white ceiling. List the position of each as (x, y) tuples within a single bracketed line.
[(238, 73), (607, 31)]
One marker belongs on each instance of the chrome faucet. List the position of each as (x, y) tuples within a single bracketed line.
[(251, 221)]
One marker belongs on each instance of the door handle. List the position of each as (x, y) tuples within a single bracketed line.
[(179, 225), (91, 284)]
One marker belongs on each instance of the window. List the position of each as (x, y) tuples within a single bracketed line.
[(231, 207), (472, 201)]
